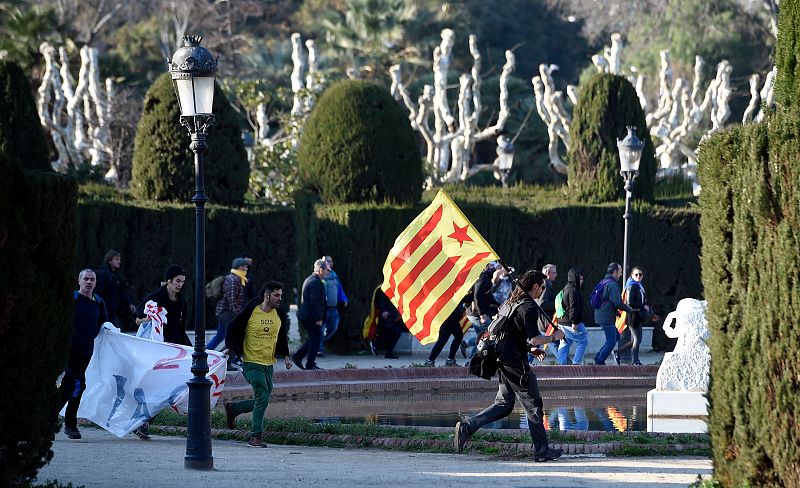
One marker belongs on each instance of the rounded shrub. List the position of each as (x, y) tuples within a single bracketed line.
[(607, 105), (22, 139), (163, 164), (357, 145)]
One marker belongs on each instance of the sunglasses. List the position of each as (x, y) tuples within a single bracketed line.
[(637, 274)]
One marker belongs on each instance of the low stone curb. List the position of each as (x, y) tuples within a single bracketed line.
[(479, 447)]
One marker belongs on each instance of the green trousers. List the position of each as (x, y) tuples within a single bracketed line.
[(260, 378)]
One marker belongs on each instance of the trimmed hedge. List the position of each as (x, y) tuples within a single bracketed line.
[(608, 104), (37, 236), (151, 237), (666, 244), (22, 140), (163, 164), (751, 271), (787, 82), (357, 146)]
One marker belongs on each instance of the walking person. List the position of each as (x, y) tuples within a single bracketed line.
[(450, 327), (312, 315), (605, 313), (334, 295), (571, 321), (232, 301), (111, 287), (87, 318), (635, 298), (258, 334), (522, 335), (390, 325)]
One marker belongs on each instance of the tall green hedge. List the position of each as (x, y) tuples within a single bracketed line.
[(151, 237), (665, 243), (787, 83), (357, 146), (22, 139), (608, 104), (37, 243), (163, 164)]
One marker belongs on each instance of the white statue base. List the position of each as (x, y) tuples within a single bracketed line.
[(677, 411)]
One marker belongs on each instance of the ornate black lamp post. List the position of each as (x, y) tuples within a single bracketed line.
[(505, 158), (630, 153), (193, 69)]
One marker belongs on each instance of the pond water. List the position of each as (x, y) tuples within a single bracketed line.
[(578, 409)]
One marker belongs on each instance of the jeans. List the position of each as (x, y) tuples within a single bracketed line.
[(633, 344), (512, 379), (612, 335), (310, 348), (581, 338), (260, 378), (223, 319), (449, 328), (330, 326)]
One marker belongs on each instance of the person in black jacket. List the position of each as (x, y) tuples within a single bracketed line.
[(636, 299), (312, 315), (516, 378), (111, 287), (571, 322), (170, 297), (390, 325), (258, 334), (483, 300), (87, 318)]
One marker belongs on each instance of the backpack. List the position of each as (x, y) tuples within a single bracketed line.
[(560, 312), (214, 287), (596, 299), (484, 363)]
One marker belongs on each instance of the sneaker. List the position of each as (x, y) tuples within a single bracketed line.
[(391, 355), (298, 361), (429, 363), (313, 367), (463, 348), (637, 363), (616, 357), (451, 362), (461, 437), (320, 354), (255, 441), (549, 455), (143, 431), (372, 348), (72, 432), (230, 417)]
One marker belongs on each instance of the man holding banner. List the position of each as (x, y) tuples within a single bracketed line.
[(258, 335)]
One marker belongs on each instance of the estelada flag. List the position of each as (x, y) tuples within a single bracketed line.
[(434, 262), (371, 322), (622, 318)]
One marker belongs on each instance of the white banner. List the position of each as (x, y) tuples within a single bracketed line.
[(130, 379)]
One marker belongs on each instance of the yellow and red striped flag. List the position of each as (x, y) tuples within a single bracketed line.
[(434, 262), (622, 318)]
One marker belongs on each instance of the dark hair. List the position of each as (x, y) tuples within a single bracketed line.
[(271, 286), (111, 254), (525, 283), (613, 267)]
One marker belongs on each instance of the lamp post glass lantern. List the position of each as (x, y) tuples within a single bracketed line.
[(192, 68), (630, 154), (505, 158)]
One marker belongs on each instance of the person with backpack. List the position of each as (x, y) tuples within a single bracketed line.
[(519, 335), (232, 299), (606, 299), (569, 312)]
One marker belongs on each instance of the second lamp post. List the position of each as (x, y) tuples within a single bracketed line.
[(630, 153)]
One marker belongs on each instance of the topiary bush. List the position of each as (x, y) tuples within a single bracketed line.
[(163, 164), (37, 246), (357, 145), (22, 139), (608, 103)]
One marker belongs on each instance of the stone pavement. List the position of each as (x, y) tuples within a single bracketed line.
[(103, 460)]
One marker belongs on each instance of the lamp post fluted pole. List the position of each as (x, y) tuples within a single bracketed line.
[(630, 154), (193, 68), (627, 217)]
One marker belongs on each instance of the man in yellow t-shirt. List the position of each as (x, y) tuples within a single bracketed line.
[(258, 335)]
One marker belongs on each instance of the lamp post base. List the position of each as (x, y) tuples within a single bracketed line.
[(198, 433)]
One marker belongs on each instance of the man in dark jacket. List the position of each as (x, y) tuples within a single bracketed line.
[(258, 335), (548, 299), (110, 286), (606, 315), (390, 324), (312, 315), (516, 379), (170, 297), (87, 318), (572, 322), (484, 302)]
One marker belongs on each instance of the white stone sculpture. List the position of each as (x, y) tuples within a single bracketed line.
[(687, 367)]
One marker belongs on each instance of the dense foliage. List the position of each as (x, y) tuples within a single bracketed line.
[(608, 104), (22, 140), (787, 83), (357, 146), (359, 238), (37, 236), (163, 164)]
